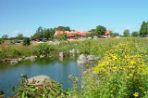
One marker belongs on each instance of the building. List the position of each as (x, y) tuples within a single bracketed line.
[(107, 34), (70, 34)]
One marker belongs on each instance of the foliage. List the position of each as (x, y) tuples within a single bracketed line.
[(144, 29), (63, 28), (96, 47), (100, 30), (126, 33), (20, 36), (48, 89), (92, 34), (63, 37), (5, 36), (13, 51), (122, 72), (135, 34), (1, 41), (26, 41), (44, 33), (43, 49), (114, 34)]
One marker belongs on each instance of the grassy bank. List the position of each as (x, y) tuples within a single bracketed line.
[(96, 47)]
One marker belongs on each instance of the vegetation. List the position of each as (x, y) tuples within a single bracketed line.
[(100, 30), (44, 33), (126, 33), (43, 49), (20, 36), (121, 72), (26, 41), (48, 33), (144, 29), (135, 34), (48, 89)]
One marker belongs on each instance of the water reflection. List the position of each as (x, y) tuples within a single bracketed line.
[(55, 69)]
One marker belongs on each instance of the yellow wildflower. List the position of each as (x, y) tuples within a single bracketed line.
[(133, 62), (114, 57), (136, 94), (96, 70)]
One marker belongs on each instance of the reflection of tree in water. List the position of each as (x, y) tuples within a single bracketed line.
[(44, 61)]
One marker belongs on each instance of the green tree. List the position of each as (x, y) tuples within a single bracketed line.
[(44, 33), (26, 41), (63, 28), (43, 49), (126, 33), (20, 36), (1, 41), (144, 29), (49, 33), (92, 33), (114, 34), (135, 34), (100, 30), (38, 34)]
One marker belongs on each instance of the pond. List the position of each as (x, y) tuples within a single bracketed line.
[(55, 69)]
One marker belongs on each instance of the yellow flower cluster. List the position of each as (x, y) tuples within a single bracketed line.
[(124, 60), (136, 94), (121, 58)]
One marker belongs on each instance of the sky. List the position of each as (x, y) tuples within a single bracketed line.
[(25, 16)]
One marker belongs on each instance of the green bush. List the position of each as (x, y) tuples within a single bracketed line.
[(43, 49), (26, 41), (48, 89)]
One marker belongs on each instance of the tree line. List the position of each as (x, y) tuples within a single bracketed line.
[(99, 30), (143, 32)]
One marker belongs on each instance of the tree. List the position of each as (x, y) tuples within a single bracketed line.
[(38, 34), (1, 41), (144, 29), (92, 33), (63, 28), (126, 33), (26, 41), (49, 33), (5, 36), (135, 34), (20, 36), (100, 30), (114, 34), (43, 49), (44, 33)]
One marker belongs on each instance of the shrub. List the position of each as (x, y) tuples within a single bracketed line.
[(25, 89), (43, 49), (122, 73), (26, 41)]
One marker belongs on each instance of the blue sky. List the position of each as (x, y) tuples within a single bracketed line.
[(25, 16)]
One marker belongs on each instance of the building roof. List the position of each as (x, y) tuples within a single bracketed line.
[(70, 33)]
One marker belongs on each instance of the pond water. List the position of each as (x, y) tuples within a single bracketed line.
[(55, 69)]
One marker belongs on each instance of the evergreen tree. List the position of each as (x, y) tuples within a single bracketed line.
[(144, 29)]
